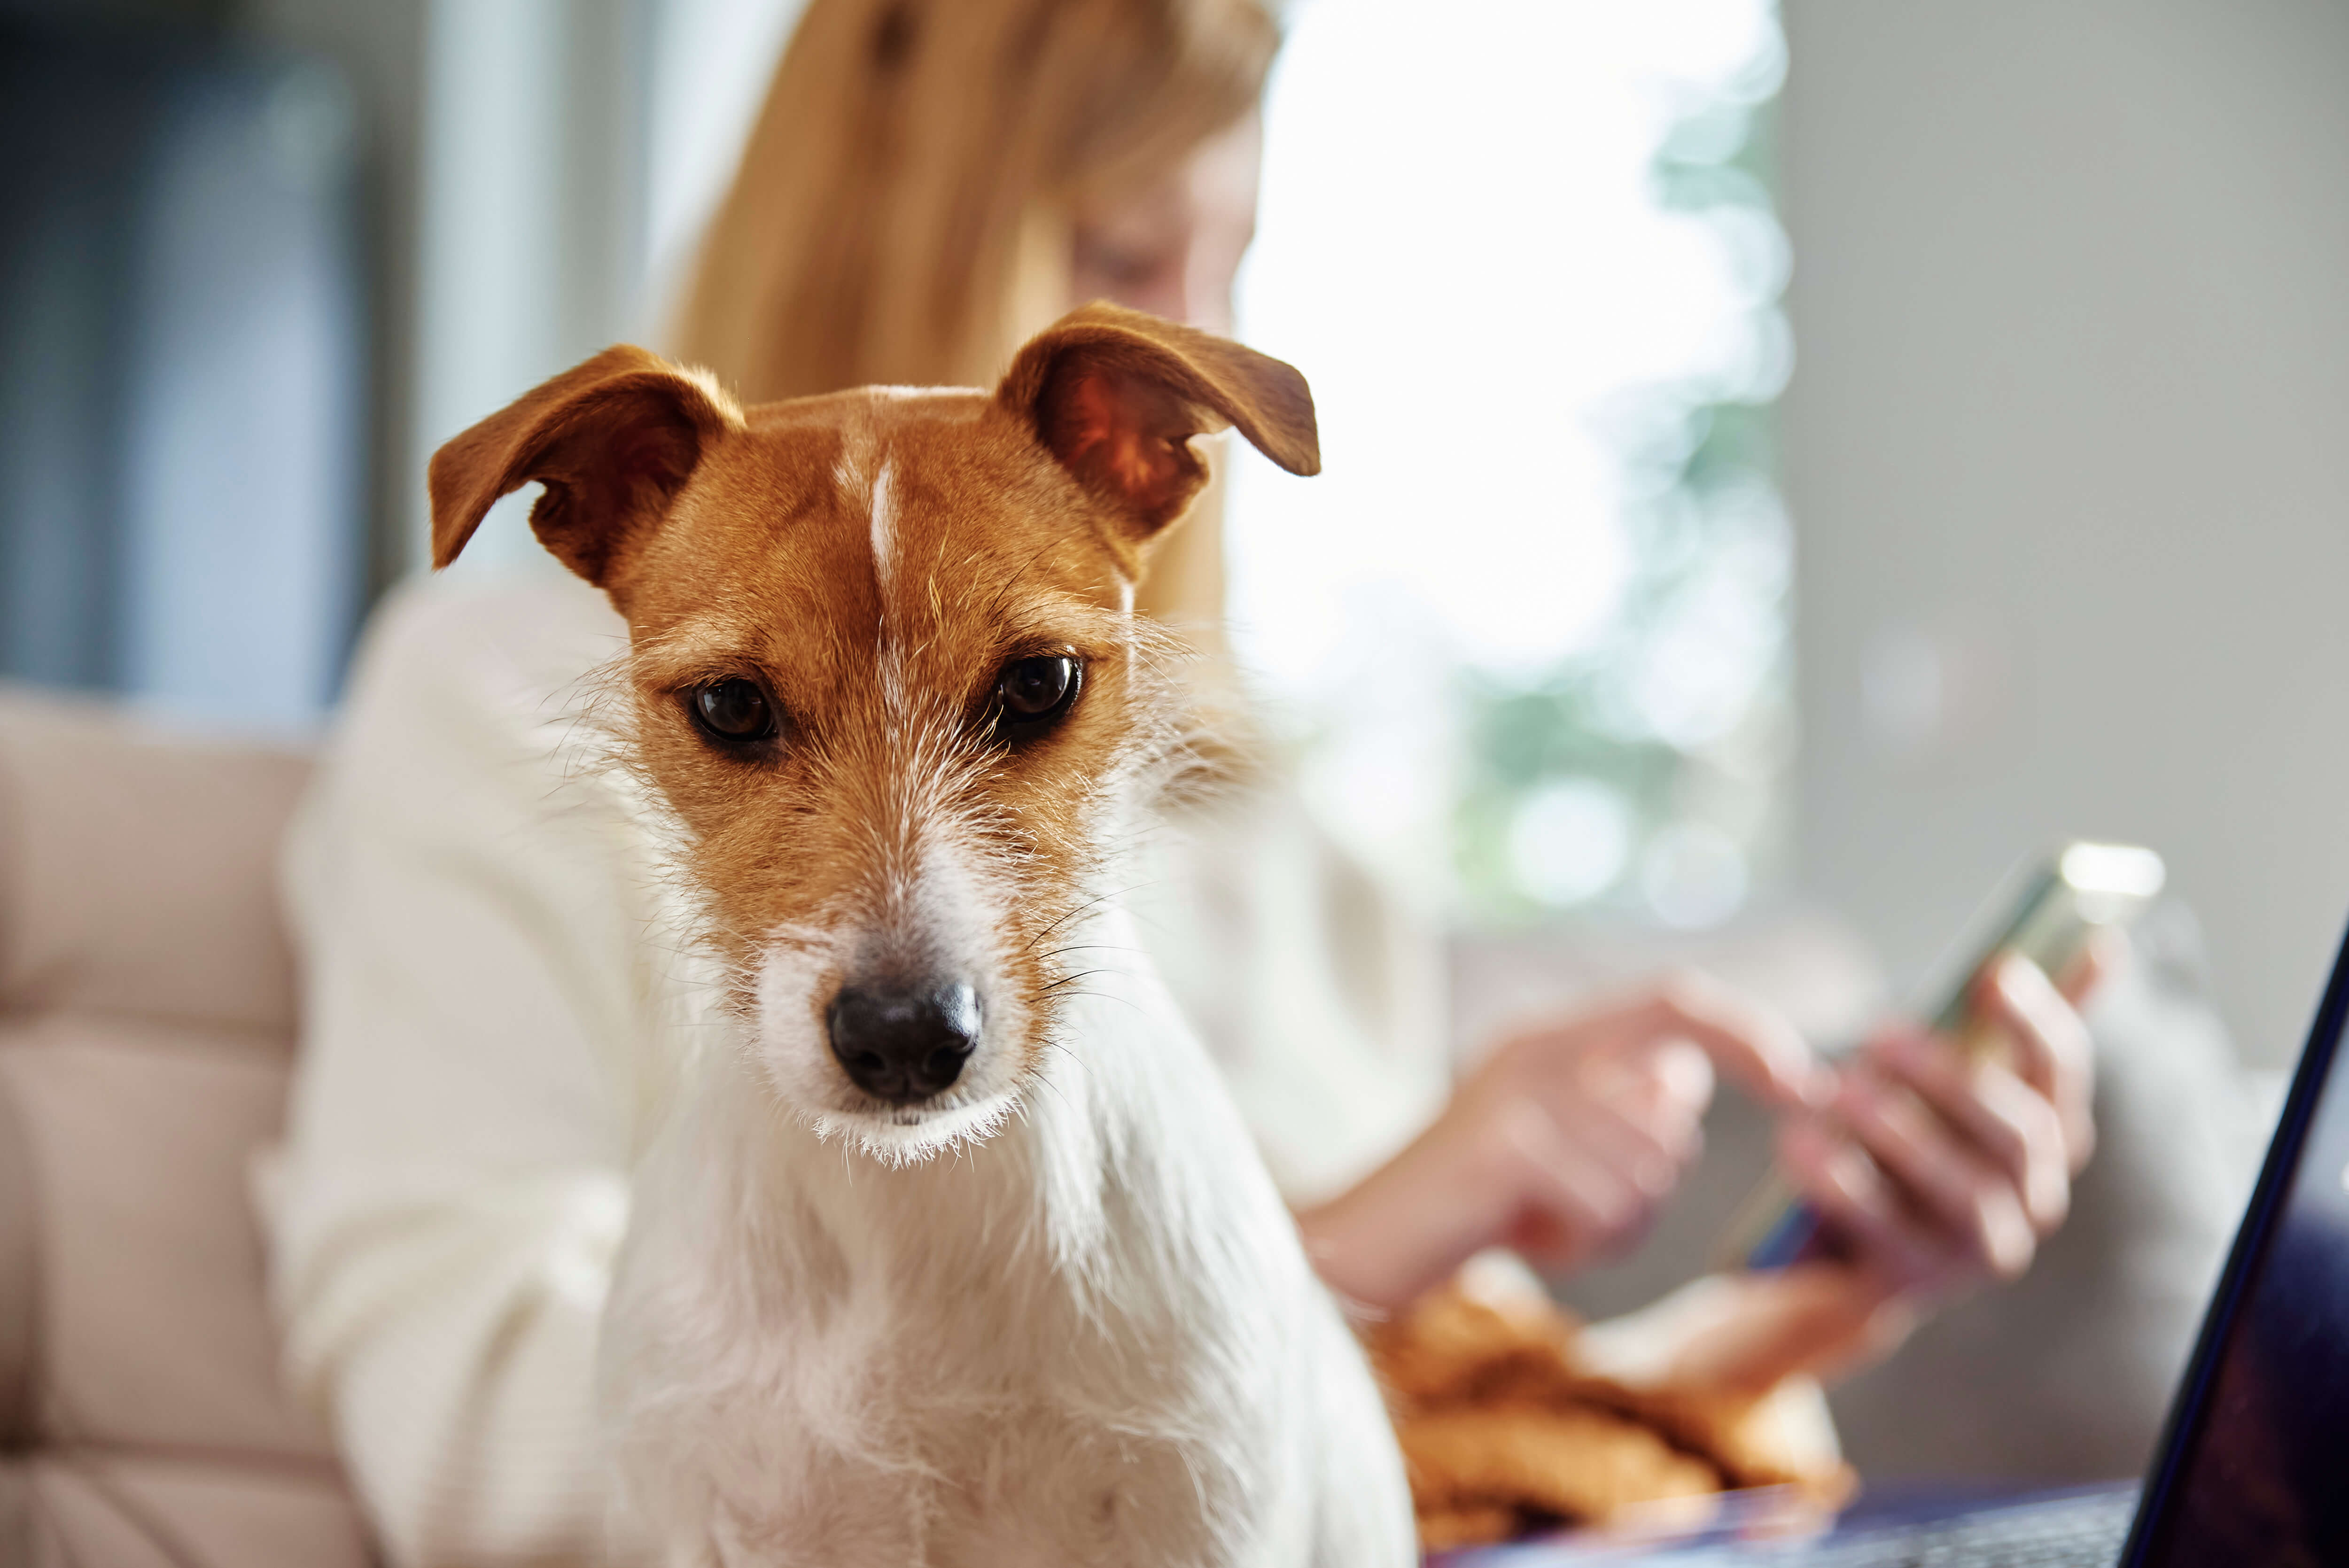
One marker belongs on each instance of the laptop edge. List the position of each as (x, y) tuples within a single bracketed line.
[(2243, 1261)]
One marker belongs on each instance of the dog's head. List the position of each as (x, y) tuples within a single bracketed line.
[(884, 672)]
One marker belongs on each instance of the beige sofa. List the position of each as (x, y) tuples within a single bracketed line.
[(146, 1019)]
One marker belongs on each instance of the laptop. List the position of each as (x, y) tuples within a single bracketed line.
[(2253, 1464)]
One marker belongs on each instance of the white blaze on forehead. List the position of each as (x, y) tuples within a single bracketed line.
[(885, 524), (864, 476)]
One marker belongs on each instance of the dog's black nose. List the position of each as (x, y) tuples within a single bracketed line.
[(904, 1043)]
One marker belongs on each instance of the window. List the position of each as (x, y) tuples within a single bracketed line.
[(1528, 630)]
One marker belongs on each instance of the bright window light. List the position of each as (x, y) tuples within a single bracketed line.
[(1528, 626)]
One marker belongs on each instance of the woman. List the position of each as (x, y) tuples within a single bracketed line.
[(493, 1016)]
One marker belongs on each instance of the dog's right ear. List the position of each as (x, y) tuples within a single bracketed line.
[(613, 440), (1115, 396)]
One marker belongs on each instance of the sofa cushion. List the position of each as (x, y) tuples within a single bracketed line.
[(146, 1009), (153, 1327), (77, 1510), (137, 872)]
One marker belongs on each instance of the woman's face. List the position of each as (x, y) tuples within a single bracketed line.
[(1173, 247)]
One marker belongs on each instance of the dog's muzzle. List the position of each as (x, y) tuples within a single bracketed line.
[(904, 1043)]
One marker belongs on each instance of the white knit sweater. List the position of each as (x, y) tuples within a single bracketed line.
[(495, 1006)]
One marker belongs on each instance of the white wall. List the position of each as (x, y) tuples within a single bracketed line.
[(2064, 449)]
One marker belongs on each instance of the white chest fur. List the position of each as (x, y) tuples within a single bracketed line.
[(1091, 1338)]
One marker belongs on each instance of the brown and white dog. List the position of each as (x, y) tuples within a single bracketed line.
[(960, 1254)]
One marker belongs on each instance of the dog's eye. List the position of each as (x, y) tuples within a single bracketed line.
[(1031, 691), (733, 710)]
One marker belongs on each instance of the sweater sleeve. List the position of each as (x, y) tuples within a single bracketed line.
[(479, 992)]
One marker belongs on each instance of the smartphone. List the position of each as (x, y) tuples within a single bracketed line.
[(2049, 912)]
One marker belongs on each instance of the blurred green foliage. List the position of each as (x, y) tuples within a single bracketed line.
[(1704, 536)]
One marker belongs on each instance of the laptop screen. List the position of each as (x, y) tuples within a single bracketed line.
[(2252, 1474)]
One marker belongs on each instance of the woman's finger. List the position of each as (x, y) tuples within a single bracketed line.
[(1862, 1208), (1649, 1154), (2098, 959), (1664, 1092), (1562, 1188), (2007, 1122), (1750, 1042), (2052, 1051), (1939, 1174)]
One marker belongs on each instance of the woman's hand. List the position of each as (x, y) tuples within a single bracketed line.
[(1936, 1173), (1561, 1142)]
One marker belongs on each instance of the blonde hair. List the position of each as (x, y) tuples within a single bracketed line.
[(900, 212)]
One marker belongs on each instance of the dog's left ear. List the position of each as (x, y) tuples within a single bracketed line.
[(1115, 396), (613, 440)]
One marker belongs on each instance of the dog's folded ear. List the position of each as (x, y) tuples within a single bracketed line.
[(612, 439), (1115, 396)]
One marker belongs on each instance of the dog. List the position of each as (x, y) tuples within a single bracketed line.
[(957, 1252)]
